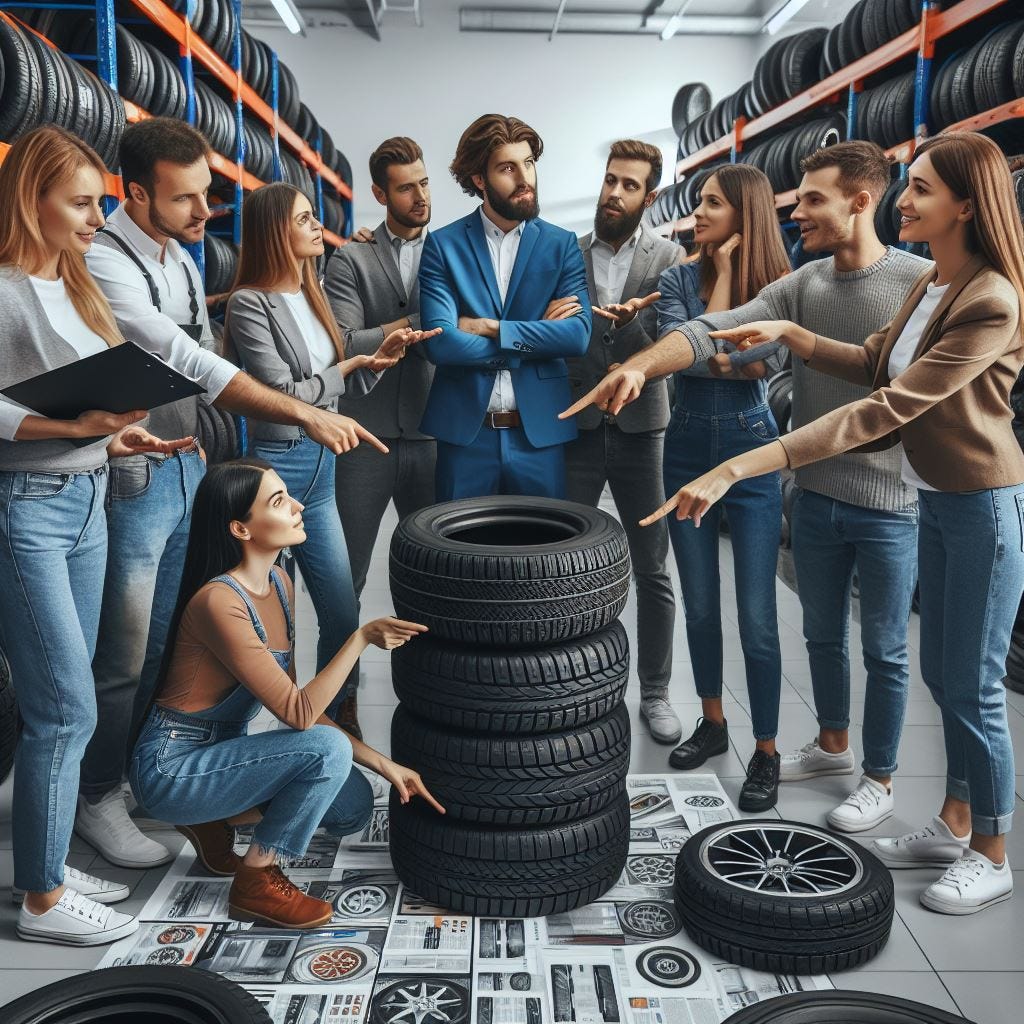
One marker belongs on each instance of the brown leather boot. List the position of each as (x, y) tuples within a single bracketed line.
[(348, 715), (267, 896), (214, 843)]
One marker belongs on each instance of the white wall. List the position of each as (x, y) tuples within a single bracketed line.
[(579, 92)]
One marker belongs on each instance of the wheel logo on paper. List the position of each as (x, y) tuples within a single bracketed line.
[(179, 933), (704, 801), (668, 967)]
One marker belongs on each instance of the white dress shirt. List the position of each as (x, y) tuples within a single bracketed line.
[(322, 352), (407, 252), (902, 356), (503, 248), (611, 268), (154, 330)]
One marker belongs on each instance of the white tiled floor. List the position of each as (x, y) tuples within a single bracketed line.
[(971, 965)]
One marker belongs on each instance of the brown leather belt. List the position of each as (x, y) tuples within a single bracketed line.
[(502, 420)]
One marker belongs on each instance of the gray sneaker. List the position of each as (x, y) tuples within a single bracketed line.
[(811, 762), (662, 721), (99, 890), (933, 846)]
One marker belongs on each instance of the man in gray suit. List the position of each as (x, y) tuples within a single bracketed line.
[(624, 261), (373, 290)]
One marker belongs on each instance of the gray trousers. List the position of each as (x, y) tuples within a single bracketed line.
[(366, 480), (631, 465)]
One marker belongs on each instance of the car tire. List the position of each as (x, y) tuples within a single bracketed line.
[(429, 1000), (143, 993), (505, 781), (519, 872), (564, 686), (509, 571), (838, 917), (847, 1007)]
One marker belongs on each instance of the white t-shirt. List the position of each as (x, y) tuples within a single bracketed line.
[(65, 319), (322, 352), (902, 355)]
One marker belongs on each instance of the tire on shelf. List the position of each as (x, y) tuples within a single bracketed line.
[(21, 85), (561, 686), (518, 872), (743, 900), (691, 100), (509, 571), (143, 993), (848, 1007), (488, 779)]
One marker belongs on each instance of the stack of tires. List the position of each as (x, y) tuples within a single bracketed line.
[(511, 707)]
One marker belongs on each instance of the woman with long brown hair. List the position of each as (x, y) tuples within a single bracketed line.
[(280, 325), (942, 370), (53, 537), (741, 251)]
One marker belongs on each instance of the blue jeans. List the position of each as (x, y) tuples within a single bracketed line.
[(971, 565), (499, 462), (712, 421), (307, 469), (187, 768), (53, 553), (830, 538), (149, 511)]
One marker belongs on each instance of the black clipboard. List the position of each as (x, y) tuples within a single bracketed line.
[(118, 380)]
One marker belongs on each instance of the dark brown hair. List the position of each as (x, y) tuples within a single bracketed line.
[(761, 257), (399, 150), (973, 167), (481, 139), (634, 149), (266, 255), (863, 166), (144, 144)]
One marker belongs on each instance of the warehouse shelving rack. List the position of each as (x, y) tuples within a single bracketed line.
[(194, 50), (934, 25)]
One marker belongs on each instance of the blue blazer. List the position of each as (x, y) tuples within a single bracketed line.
[(456, 279)]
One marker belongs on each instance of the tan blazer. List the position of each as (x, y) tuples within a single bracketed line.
[(951, 406)]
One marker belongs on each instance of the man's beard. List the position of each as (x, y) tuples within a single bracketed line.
[(407, 221), (165, 229), (616, 229), (511, 209)]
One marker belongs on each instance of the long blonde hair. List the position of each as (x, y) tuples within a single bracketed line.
[(973, 167), (761, 257), (36, 163), (266, 255)]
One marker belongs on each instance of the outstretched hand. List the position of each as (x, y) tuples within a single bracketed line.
[(693, 500), (407, 782), (138, 441), (395, 344), (389, 633), (622, 313), (620, 387)]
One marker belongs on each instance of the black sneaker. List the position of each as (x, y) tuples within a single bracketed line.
[(708, 739), (761, 789)]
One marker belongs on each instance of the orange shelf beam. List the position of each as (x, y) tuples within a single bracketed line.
[(1008, 111), (174, 25), (936, 26)]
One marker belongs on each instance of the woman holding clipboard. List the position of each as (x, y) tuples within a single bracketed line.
[(53, 537)]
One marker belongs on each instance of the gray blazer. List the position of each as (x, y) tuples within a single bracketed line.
[(272, 349), (615, 345), (365, 290)]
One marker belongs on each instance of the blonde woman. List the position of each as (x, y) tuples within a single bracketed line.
[(942, 372), (53, 538)]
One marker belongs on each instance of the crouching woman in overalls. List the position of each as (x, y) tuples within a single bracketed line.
[(232, 656)]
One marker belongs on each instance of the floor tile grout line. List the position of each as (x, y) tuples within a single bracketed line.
[(935, 971)]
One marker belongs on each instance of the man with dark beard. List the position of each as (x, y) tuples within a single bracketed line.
[(624, 261), (488, 281)]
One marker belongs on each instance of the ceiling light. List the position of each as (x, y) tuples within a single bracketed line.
[(673, 23), (783, 15), (289, 14)]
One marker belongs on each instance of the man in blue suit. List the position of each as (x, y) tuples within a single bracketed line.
[(492, 281)]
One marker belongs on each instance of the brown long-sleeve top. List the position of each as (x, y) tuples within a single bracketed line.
[(217, 648), (950, 407)]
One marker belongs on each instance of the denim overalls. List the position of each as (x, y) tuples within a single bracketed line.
[(190, 767)]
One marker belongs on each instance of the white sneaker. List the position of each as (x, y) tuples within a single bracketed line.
[(868, 805), (933, 846), (811, 762), (106, 826), (662, 721), (99, 890), (971, 883), (375, 781), (75, 920)]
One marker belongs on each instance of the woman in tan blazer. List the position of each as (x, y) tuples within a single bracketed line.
[(942, 373)]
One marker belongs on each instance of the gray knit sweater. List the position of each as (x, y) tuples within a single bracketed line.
[(847, 306), (30, 346)]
